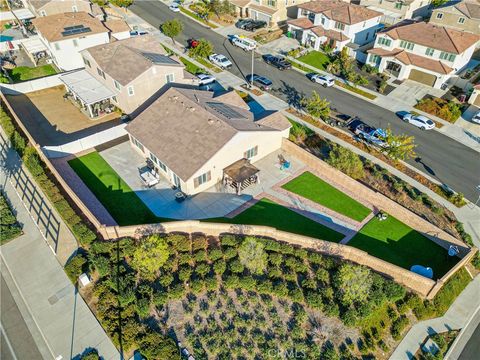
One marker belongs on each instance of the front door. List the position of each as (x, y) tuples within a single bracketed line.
[(393, 68), (176, 181)]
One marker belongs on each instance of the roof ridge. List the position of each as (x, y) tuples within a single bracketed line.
[(453, 42)]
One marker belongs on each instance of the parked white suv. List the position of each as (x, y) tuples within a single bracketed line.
[(324, 80), (243, 42), (419, 121), (220, 60)]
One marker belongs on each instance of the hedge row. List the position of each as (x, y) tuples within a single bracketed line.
[(9, 227), (41, 174)]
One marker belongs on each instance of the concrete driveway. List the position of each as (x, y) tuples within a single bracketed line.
[(465, 121), (280, 46), (409, 92)]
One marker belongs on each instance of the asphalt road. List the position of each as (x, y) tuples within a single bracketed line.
[(471, 350), (445, 159)]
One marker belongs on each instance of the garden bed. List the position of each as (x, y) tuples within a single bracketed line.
[(355, 90), (268, 213), (195, 16), (315, 189), (9, 226), (446, 110), (443, 340), (397, 243)]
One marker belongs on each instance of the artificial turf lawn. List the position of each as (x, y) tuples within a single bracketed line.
[(23, 73), (316, 59), (268, 213), (397, 243), (315, 189), (116, 196)]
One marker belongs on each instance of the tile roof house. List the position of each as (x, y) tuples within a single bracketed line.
[(334, 23), (66, 34), (422, 52), (126, 73), (197, 139), (395, 11), (459, 15), (53, 7)]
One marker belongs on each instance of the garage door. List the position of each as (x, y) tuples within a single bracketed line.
[(257, 15), (422, 77)]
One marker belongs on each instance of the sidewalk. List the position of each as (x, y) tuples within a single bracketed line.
[(455, 318), (60, 322)]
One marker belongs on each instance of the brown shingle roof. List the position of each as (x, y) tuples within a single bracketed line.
[(116, 26), (38, 4), (125, 60), (412, 59), (184, 128), (52, 26), (331, 34), (341, 11), (304, 23), (470, 8), (436, 37)]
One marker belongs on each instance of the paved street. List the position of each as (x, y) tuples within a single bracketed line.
[(442, 157), (472, 349)]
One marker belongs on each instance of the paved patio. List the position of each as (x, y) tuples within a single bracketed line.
[(217, 201)]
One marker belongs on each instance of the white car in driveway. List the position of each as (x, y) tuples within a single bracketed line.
[(476, 118), (419, 121), (220, 60), (205, 79), (324, 80), (175, 7)]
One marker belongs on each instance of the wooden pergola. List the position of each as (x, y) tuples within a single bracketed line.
[(240, 175)]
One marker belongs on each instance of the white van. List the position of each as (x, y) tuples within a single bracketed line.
[(244, 43)]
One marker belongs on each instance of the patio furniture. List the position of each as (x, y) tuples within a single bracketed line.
[(148, 177), (180, 196), (240, 175)]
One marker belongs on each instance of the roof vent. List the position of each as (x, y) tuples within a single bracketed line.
[(211, 121), (192, 109)]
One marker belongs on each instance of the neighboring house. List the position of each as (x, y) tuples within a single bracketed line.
[(197, 139), (395, 11), (334, 23), (65, 35), (53, 7), (422, 52), (124, 73), (459, 15), (475, 97), (271, 11)]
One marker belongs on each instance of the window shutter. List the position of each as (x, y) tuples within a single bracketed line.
[(255, 152), (245, 154), (209, 176), (195, 182)]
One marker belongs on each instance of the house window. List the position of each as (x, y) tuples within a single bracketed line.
[(202, 179), (406, 45), (398, 5), (138, 144), (429, 52), (339, 26), (130, 91), (461, 20), (57, 46), (158, 162), (75, 42), (250, 153), (439, 15), (272, 3), (447, 56), (87, 62), (117, 85), (384, 41), (375, 58), (100, 72), (170, 78), (322, 20), (74, 8)]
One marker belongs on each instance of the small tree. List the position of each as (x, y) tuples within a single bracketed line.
[(150, 255), (400, 147), (353, 283), (172, 28), (346, 161), (316, 106), (252, 254), (202, 50)]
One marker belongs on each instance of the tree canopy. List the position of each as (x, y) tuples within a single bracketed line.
[(150, 255), (316, 106), (400, 147), (172, 28), (353, 283), (346, 161), (202, 50), (252, 255)]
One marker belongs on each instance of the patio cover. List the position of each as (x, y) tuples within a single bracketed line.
[(240, 170), (33, 45), (23, 14), (86, 87)]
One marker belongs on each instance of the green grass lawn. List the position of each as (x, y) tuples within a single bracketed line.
[(191, 67), (316, 59), (24, 73), (268, 213), (397, 243), (313, 188), (109, 188)]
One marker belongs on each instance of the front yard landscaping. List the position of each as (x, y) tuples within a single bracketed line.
[(446, 110), (109, 188), (268, 213), (316, 59), (313, 188), (397, 243), (24, 73)]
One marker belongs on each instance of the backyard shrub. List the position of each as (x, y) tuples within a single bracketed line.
[(9, 227), (180, 242), (346, 161), (76, 266), (84, 235), (398, 326), (6, 124), (229, 240), (18, 142), (32, 161)]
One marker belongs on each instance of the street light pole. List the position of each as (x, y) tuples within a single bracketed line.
[(251, 74)]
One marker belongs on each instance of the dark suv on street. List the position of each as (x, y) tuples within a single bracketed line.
[(277, 61)]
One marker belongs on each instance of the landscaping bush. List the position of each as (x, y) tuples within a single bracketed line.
[(447, 110), (9, 227), (346, 161), (398, 326), (76, 266)]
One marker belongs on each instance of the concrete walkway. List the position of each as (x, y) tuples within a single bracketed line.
[(60, 322), (457, 316)]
